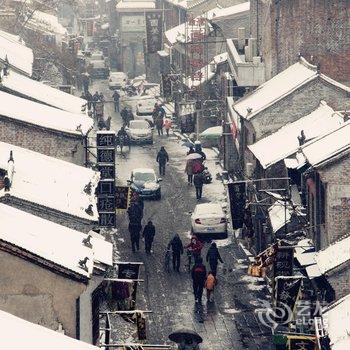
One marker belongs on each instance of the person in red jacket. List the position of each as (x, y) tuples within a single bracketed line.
[(195, 247), (199, 274)]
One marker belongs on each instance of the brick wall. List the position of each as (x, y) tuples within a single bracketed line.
[(318, 28), (298, 104), (336, 178), (67, 220), (339, 279), (54, 144)]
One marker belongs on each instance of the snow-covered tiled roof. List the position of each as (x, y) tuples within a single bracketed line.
[(327, 146), (276, 88), (135, 5), (337, 323), (18, 55), (334, 255), (221, 13), (50, 182), (279, 215), (206, 72), (284, 142), (47, 22), (41, 92), (46, 239), (34, 336), (45, 116)]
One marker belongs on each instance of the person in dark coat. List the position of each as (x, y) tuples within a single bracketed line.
[(95, 98), (213, 257), (199, 276), (198, 181), (89, 99), (162, 159), (177, 248), (135, 230), (159, 122), (198, 149), (148, 234), (135, 212), (116, 98)]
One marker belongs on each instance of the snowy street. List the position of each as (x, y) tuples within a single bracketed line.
[(231, 322)]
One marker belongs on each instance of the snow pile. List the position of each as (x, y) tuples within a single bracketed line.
[(33, 336), (284, 142), (50, 182), (42, 93), (221, 13), (333, 256), (135, 5), (18, 55), (45, 116)]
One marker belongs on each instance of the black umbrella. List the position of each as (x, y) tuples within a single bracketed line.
[(185, 333)]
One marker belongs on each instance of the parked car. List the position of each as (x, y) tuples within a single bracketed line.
[(117, 80), (208, 220), (145, 182), (99, 69), (140, 131)]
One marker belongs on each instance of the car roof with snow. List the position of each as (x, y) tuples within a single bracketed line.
[(138, 121), (208, 208), (143, 170)]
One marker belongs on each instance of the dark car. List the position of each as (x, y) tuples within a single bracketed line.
[(99, 69), (145, 182)]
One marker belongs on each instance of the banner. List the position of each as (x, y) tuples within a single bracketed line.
[(237, 196), (154, 31), (287, 292)]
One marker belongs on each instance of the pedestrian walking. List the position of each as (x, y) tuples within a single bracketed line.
[(148, 234), (189, 171), (213, 257), (135, 212), (177, 249), (89, 99), (159, 122), (101, 97), (95, 99), (199, 274), (209, 286), (124, 114), (198, 181), (135, 230), (162, 159), (116, 98), (167, 125)]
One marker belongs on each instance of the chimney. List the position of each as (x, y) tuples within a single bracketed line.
[(247, 53), (241, 38)]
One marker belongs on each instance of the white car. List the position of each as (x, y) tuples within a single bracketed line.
[(140, 131), (145, 105), (209, 221), (117, 80)]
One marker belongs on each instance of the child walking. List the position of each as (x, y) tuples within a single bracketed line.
[(209, 286)]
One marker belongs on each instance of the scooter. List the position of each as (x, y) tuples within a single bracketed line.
[(207, 176)]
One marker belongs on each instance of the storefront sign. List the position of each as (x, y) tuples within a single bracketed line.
[(106, 204), (106, 172), (283, 262), (237, 196), (154, 31), (187, 108), (105, 155)]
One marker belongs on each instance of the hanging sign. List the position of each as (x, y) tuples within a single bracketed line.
[(283, 262), (237, 196), (287, 292), (154, 31)]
